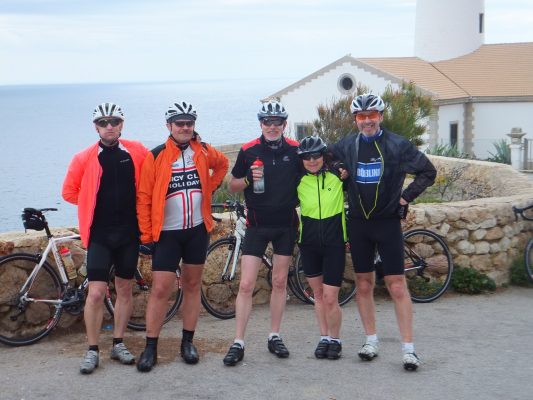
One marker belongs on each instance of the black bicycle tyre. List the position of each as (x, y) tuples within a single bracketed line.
[(58, 289), (138, 323), (292, 280), (217, 255), (346, 293), (528, 259), (433, 279)]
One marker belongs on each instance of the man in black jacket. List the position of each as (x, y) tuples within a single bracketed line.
[(377, 161), (271, 218)]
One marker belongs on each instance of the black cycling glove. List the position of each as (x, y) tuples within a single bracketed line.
[(402, 210), (147, 248)]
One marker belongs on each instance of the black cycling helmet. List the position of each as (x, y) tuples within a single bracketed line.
[(311, 144)]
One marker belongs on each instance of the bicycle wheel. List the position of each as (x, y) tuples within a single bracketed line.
[(23, 321), (219, 292), (141, 293), (346, 291), (528, 254), (428, 265)]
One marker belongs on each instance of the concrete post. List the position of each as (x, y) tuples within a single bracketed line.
[(516, 148)]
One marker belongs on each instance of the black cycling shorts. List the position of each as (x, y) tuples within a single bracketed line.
[(257, 238), (327, 261), (383, 234), (118, 246), (173, 246)]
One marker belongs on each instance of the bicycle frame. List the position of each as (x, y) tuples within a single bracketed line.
[(238, 234), (52, 246)]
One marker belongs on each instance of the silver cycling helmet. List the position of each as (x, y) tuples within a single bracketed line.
[(311, 144), (181, 110), (108, 110), (367, 102), (272, 108)]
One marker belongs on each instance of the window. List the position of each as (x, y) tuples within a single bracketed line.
[(453, 134), (303, 130), (346, 83), (481, 22)]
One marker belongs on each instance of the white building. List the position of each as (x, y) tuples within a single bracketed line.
[(480, 91)]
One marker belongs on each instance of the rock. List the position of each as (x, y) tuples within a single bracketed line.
[(494, 233), (456, 235), (478, 234), (481, 262), (488, 223), (435, 215), (482, 247), (465, 247), (6, 247), (462, 261)]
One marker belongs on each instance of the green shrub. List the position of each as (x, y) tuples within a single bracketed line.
[(446, 150), (503, 152), (223, 193), (518, 274), (471, 281)]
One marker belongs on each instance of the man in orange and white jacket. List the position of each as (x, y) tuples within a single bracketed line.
[(174, 211), (102, 181)]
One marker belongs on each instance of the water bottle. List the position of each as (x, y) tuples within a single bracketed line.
[(259, 185), (68, 263), (82, 271)]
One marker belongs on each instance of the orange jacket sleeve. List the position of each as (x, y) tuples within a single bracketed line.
[(219, 164), (144, 198), (72, 182)]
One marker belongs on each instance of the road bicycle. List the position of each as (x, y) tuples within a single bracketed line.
[(35, 292), (221, 278), (527, 214), (427, 261)]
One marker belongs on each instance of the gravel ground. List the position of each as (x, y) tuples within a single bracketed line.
[(472, 347)]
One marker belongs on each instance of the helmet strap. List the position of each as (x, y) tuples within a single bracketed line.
[(273, 144), (112, 144), (181, 146)]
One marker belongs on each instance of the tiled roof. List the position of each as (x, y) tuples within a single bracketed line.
[(493, 70)]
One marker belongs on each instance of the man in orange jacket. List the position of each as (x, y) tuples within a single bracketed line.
[(102, 180), (174, 211)]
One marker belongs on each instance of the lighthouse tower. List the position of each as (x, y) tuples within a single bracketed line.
[(448, 29)]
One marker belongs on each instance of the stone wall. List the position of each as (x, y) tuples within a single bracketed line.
[(481, 233)]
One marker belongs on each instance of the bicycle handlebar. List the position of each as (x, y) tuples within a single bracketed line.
[(520, 211), (231, 205)]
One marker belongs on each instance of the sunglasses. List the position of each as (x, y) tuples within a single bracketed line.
[(273, 121), (102, 123), (309, 156), (361, 116), (181, 124)]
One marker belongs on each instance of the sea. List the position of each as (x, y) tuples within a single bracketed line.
[(43, 126)]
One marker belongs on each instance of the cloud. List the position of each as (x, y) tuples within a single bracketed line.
[(120, 40)]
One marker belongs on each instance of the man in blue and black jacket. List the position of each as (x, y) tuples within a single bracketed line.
[(377, 161)]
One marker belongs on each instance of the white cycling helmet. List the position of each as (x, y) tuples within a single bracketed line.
[(108, 110), (367, 102), (272, 109), (181, 110)]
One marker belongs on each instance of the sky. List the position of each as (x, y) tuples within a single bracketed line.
[(82, 41)]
